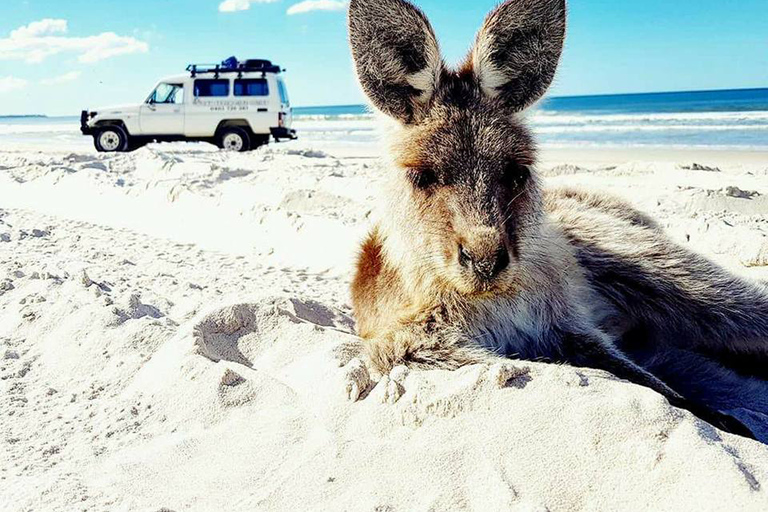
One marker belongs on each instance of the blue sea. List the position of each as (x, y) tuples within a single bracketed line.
[(727, 119)]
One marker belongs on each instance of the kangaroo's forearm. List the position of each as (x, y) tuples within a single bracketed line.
[(586, 350)]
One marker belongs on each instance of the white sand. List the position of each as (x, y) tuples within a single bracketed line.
[(175, 335)]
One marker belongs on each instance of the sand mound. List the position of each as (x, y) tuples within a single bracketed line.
[(730, 198), (266, 386)]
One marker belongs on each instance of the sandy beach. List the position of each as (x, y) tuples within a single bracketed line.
[(176, 335)]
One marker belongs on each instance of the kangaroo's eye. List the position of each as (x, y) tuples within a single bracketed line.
[(515, 175), (422, 178)]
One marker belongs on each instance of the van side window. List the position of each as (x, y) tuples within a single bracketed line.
[(251, 87), (211, 88), (283, 92)]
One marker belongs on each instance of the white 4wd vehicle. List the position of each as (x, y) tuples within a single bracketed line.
[(235, 105)]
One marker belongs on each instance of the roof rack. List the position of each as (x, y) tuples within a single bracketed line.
[(248, 66)]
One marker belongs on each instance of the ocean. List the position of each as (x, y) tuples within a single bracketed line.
[(726, 119)]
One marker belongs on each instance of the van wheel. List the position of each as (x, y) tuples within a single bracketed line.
[(234, 139), (110, 139), (134, 144)]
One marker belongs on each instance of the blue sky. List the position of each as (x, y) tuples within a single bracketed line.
[(95, 52)]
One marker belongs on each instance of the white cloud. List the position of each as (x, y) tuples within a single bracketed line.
[(316, 5), (241, 5), (11, 83), (42, 39), (44, 27), (66, 77)]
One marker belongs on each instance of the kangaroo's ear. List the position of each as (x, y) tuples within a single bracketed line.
[(396, 55), (518, 49)]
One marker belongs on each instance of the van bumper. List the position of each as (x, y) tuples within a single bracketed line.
[(283, 133), (85, 116)]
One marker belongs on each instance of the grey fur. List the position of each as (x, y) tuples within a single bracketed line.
[(515, 55), (391, 41), (590, 281), (523, 40)]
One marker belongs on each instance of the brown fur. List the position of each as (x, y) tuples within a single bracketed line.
[(376, 289)]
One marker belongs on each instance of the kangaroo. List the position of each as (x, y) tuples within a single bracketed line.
[(474, 260)]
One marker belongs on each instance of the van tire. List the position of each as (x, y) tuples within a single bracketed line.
[(135, 143), (260, 140), (110, 139), (233, 138)]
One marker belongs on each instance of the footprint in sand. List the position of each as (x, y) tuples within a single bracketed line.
[(234, 333)]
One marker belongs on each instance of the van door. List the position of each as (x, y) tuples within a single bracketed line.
[(208, 103), (285, 103), (163, 113), (253, 98)]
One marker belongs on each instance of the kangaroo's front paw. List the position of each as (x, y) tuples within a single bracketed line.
[(357, 380), (415, 348), (391, 387)]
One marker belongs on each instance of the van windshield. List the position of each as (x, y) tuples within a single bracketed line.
[(167, 93)]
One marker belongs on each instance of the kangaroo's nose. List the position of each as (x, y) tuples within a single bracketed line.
[(488, 267)]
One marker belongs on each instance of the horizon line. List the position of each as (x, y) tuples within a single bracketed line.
[(573, 96), (601, 95)]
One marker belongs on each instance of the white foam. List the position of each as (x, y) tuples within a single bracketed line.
[(549, 117)]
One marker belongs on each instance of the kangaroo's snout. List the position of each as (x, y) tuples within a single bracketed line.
[(485, 254), (486, 268)]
